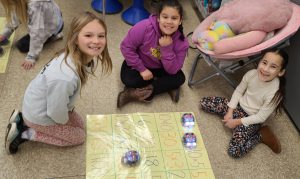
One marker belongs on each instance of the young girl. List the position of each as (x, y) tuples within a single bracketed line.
[(48, 106), (154, 51), (260, 92), (44, 22)]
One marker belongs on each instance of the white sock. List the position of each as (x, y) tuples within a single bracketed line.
[(28, 134)]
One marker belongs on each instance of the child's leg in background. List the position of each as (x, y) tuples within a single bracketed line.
[(71, 133), (23, 44), (244, 138)]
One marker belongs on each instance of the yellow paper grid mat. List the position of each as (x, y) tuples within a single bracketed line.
[(6, 48), (157, 138)]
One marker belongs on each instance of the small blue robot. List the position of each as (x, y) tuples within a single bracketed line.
[(131, 158), (188, 120), (189, 140)]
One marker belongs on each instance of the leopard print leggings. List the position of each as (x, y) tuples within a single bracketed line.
[(244, 138)]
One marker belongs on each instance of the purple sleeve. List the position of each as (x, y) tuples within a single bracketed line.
[(173, 56), (131, 43)]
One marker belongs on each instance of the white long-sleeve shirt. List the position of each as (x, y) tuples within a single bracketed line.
[(44, 20), (254, 96), (52, 93)]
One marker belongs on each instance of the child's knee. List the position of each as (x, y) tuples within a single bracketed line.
[(204, 101), (132, 83), (80, 138), (181, 79)]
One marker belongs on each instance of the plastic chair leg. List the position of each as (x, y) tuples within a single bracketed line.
[(111, 6), (135, 13), (192, 82)]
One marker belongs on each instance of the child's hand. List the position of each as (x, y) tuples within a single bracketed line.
[(165, 40), (228, 115), (146, 75), (232, 123), (27, 64)]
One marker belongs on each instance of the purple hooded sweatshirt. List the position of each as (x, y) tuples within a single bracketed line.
[(142, 51)]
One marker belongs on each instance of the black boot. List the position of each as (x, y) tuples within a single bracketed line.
[(174, 94)]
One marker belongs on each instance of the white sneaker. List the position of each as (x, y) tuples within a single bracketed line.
[(11, 134), (15, 117)]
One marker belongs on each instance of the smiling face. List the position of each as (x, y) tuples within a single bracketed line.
[(169, 20), (91, 39), (270, 67)]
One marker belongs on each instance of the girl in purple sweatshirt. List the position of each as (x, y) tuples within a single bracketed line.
[(154, 51)]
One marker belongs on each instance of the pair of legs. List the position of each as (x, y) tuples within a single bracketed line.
[(244, 138), (20, 130), (71, 133), (162, 82), (23, 44)]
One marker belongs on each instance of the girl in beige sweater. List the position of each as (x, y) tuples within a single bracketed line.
[(260, 92)]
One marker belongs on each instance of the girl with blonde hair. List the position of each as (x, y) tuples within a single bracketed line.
[(48, 113)]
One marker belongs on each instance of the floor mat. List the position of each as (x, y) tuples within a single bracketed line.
[(6, 48), (157, 137)]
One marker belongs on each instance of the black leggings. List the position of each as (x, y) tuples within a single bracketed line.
[(162, 81)]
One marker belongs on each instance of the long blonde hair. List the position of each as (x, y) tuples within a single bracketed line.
[(19, 7), (80, 59)]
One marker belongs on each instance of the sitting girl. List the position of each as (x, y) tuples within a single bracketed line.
[(48, 113), (154, 51), (260, 92)]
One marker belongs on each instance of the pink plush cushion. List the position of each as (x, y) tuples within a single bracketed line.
[(284, 33), (248, 15), (254, 24), (239, 42)]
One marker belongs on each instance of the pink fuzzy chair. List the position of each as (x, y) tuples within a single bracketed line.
[(254, 53)]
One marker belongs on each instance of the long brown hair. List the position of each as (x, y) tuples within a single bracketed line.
[(79, 58), (17, 7), (279, 97)]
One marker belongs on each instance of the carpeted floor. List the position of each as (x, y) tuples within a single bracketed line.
[(37, 160)]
